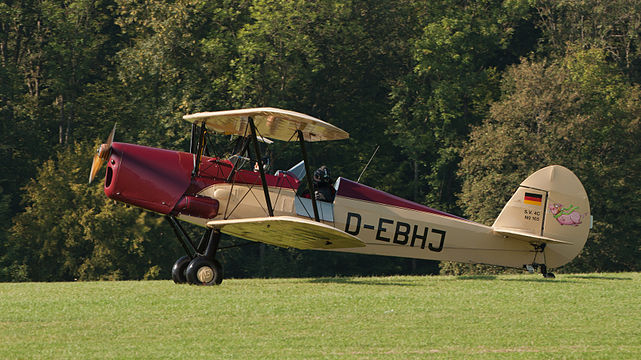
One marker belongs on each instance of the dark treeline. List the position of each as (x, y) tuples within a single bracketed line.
[(464, 98)]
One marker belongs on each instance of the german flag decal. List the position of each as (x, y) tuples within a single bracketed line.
[(532, 199)]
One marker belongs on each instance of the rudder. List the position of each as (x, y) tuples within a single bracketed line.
[(551, 207)]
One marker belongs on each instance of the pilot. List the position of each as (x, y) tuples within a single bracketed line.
[(266, 163), (323, 189)]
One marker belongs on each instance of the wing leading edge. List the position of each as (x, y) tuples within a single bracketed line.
[(288, 231), (271, 123)]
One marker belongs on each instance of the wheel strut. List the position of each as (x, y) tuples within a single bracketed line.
[(212, 244), (183, 238), (199, 266)]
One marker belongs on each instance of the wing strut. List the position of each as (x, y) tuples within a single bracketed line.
[(260, 166), (200, 149), (310, 185), (192, 141), (246, 142)]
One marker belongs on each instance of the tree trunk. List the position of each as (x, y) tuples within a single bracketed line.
[(61, 102)]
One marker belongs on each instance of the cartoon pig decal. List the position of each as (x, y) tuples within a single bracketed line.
[(566, 216)]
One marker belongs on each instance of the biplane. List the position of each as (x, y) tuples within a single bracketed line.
[(544, 225)]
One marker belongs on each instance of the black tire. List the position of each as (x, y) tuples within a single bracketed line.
[(202, 271), (178, 270)]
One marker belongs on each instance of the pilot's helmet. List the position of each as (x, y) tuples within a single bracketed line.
[(321, 175)]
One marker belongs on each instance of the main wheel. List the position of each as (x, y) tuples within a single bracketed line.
[(202, 271), (178, 270)]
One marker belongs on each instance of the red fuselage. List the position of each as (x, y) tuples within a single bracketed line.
[(161, 180)]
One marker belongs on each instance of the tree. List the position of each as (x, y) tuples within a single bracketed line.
[(50, 53), (332, 60), (179, 62), (454, 77), (412, 77), (579, 112), (70, 230), (614, 26)]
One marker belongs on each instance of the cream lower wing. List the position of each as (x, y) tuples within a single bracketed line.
[(288, 231)]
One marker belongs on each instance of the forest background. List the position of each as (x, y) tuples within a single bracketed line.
[(464, 98)]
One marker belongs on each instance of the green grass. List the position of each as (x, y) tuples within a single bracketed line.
[(524, 316)]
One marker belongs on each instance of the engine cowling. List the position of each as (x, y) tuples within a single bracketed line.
[(150, 178)]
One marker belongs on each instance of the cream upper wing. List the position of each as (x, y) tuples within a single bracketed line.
[(270, 123)]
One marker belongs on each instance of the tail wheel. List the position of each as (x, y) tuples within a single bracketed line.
[(178, 270), (203, 271)]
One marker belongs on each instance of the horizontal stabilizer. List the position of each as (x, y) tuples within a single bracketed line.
[(288, 231), (531, 238)]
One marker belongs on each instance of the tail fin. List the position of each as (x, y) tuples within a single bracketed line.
[(551, 207)]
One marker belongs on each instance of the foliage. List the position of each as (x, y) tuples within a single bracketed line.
[(579, 112), (614, 26), (69, 230), (454, 77), (421, 80), (179, 62)]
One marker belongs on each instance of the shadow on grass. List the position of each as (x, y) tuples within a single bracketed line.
[(598, 277), (542, 280), (358, 281), (565, 279), (495, 277), (475, 277), (535, 278)]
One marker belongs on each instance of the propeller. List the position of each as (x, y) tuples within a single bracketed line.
[(101, 155)]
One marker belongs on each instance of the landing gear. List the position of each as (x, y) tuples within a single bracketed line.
[(178, 270), (199, 266), (539, 248), (203, 271)]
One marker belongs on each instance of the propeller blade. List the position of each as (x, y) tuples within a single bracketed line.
[(110, 139), (101, 155), (95, 166)]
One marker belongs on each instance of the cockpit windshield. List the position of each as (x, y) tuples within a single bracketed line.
[(297, 171)]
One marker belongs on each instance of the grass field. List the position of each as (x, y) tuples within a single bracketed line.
[(511, 316)]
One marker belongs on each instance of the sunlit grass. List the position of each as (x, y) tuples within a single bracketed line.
[(573, 316)]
